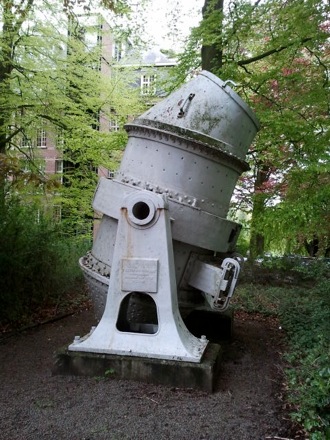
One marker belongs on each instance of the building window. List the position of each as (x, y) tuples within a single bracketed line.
[(113, 120), (41, 138), (59, 169), (94, 169), (25, 142), (117, 51), (113, 124), (60, 139), (148, 84)]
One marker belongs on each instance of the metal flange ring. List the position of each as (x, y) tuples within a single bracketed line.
[(141, 211)]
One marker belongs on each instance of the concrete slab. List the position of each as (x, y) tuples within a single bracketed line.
[(200, 376)]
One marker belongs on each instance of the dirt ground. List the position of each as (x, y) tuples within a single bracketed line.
[(246, 405)]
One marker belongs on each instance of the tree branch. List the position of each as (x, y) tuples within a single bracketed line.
[(269, 52), (54, 120), (325, 68), (23, 15)]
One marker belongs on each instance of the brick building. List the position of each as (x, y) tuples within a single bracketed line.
[(149, 68)]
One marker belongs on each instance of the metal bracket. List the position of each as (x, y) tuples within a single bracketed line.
[(216, 283)]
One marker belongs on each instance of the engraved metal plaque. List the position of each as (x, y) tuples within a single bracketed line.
[(139, 275)]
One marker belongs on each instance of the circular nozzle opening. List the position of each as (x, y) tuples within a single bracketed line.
[(141, 210)]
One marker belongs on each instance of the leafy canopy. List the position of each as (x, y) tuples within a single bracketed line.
[(277, 52)]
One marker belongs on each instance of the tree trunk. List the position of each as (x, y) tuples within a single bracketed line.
[(212, 55), (257, 239), (6, 67), (13, 17)]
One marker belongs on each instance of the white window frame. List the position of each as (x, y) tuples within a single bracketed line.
[(25, 141), (118, 50), (59, 169), (41, 138), (148, 84), (113, 124)]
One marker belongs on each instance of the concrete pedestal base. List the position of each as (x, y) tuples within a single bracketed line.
[(179, 374), (217, 327)]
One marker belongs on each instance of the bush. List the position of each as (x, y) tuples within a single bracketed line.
[(254, 298), (306, 318), (303, 309), (37, 264)]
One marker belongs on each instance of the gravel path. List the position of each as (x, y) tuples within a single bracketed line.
[(36, 405)]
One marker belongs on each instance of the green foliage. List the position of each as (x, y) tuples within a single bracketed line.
[(52, 78), (304, 214), (278, 55), (307, 322), (312, 269), (254, 298), (242, 246), (304, 314), (304, 268), (38, 265)]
